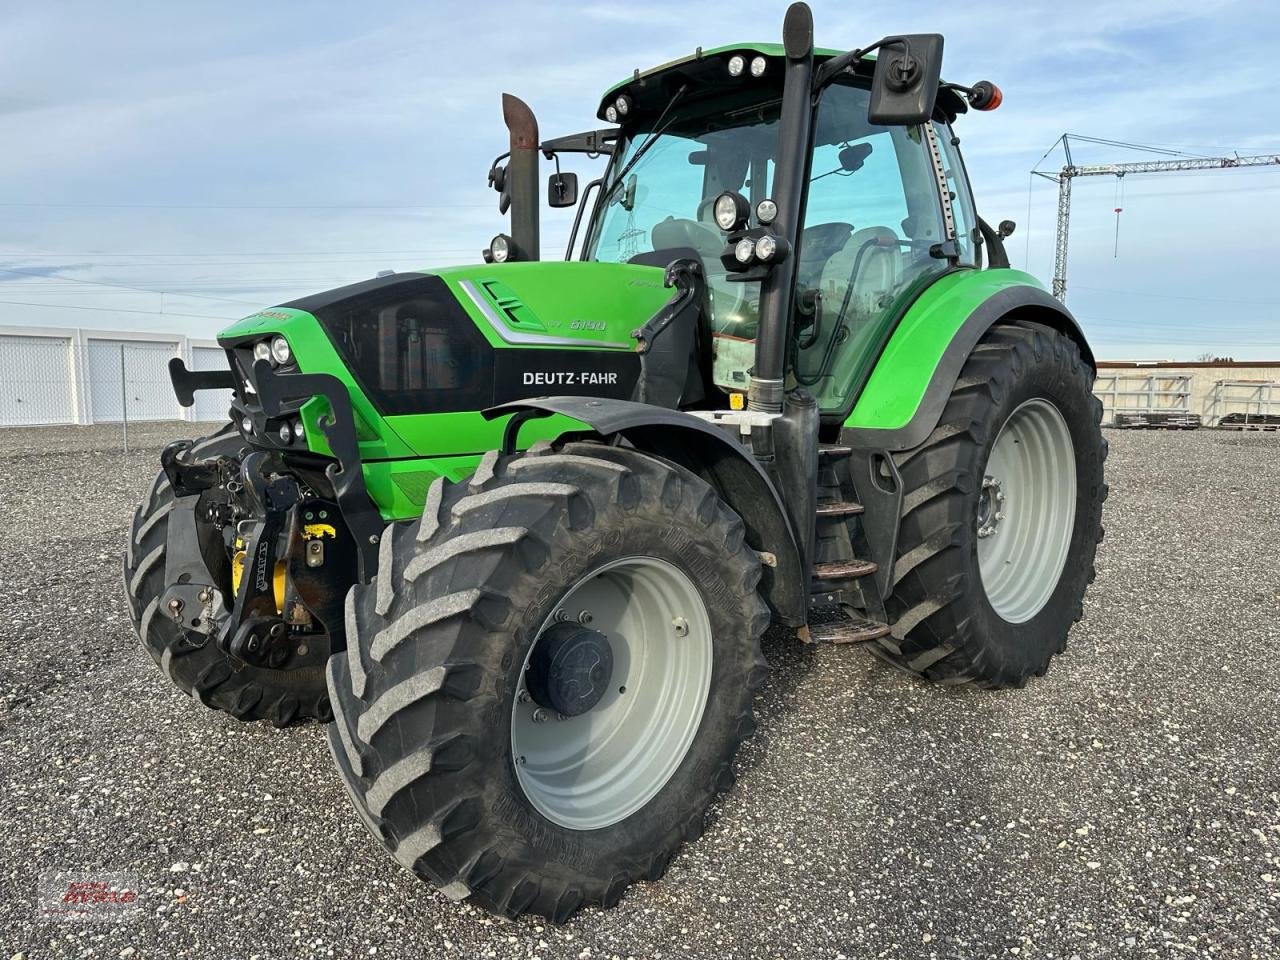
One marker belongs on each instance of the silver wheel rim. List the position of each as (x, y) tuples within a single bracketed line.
[(1026, 511), (593, 770)]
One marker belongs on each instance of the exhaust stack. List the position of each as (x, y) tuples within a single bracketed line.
[(522, 175)]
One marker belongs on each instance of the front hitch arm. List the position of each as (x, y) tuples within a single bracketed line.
[(338, 426)]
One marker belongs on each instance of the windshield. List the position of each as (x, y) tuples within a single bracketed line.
[(665, 201), (871, 219)]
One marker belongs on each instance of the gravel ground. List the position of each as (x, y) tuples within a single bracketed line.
[(1126, 805)]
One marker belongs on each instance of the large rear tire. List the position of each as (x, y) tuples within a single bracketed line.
[(1002, 509), (444, 735), (193, 661)]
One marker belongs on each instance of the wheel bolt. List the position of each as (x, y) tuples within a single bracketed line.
[(523, 696), (540, 716), (584, 617), (681, 625)]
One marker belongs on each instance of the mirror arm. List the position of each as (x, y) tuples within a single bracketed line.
[(592, 142), (837, 65), (577, 217)]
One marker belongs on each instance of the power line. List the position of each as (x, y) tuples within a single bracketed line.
[(154, 313), (121, 286)]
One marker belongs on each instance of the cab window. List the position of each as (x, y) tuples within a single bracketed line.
[(871, 218)]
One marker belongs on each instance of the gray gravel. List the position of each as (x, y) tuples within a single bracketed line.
[(1126, 805)]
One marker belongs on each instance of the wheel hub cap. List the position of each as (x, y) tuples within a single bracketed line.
[(990, 507), (570, 669)]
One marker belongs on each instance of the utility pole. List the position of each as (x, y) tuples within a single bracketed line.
[(1071, 170)]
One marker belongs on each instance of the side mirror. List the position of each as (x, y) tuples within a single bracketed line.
[(905, 84), (562, 189)]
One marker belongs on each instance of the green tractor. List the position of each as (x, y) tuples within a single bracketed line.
[(515, 530)]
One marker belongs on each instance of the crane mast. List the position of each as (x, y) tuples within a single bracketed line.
[(1071, 170)]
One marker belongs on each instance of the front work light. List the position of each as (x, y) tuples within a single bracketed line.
[(500, 248), (744, 250), (766, 247), (611, 113), (757, 66), (623, 105), (736, 65), (766, 211), (280, 352), (731, 211), (262, 350)]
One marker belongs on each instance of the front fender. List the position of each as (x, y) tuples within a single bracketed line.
[(916, 372), (713, 455)]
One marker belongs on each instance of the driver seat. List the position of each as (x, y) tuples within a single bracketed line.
[(878, 272)]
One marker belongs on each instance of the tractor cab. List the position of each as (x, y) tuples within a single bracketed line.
[(885, 205), (869, 230)]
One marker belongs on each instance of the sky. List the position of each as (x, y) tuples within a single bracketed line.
[(171, 167)]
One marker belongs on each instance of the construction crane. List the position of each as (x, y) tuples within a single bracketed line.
[(1070, 170)]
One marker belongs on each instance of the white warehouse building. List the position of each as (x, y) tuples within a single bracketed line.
[(53, 375)]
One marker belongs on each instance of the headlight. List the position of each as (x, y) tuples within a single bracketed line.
[(766, 247), (757, 66), (623, 103), (730, 211), (246, 425), (611, 113), (500, 247), (286, 433), (766, 211), (736, 65), (297, 429), (280, 351), (744, 250), (262, 350)]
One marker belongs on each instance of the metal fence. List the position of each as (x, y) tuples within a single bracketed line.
[(1245, 404), (1146, 400), (72, 375)]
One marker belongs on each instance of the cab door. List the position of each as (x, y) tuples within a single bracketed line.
[(873, 217)]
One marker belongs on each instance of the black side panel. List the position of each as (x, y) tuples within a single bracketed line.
[(413, 349), (1023, 302)]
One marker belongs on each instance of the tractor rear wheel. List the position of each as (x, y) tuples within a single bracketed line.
[(546, 684), (194, 661), (1002, 508)]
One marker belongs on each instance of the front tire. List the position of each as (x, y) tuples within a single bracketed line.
[(1002, 509), (433, 736)]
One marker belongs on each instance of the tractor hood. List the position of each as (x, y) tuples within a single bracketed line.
[(455, 341), (544, 304)]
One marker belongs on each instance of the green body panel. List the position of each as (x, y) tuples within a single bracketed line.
[(562, 299), (901, 376), (571, 305)]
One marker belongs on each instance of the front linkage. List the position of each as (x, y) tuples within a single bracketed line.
[(288, 551)]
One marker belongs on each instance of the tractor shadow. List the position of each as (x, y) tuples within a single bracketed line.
[(790, 663)]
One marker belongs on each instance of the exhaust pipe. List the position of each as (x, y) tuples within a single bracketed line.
[(522, 175)]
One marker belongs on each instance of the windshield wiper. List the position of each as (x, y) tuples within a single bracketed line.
[(658, 130)]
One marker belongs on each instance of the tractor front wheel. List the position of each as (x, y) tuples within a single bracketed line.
[(1002, 510), (546, 684)]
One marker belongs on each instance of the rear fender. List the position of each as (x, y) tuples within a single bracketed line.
[(907, 391), (710, 453)]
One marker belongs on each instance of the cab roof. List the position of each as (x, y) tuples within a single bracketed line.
[(705, 73)]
